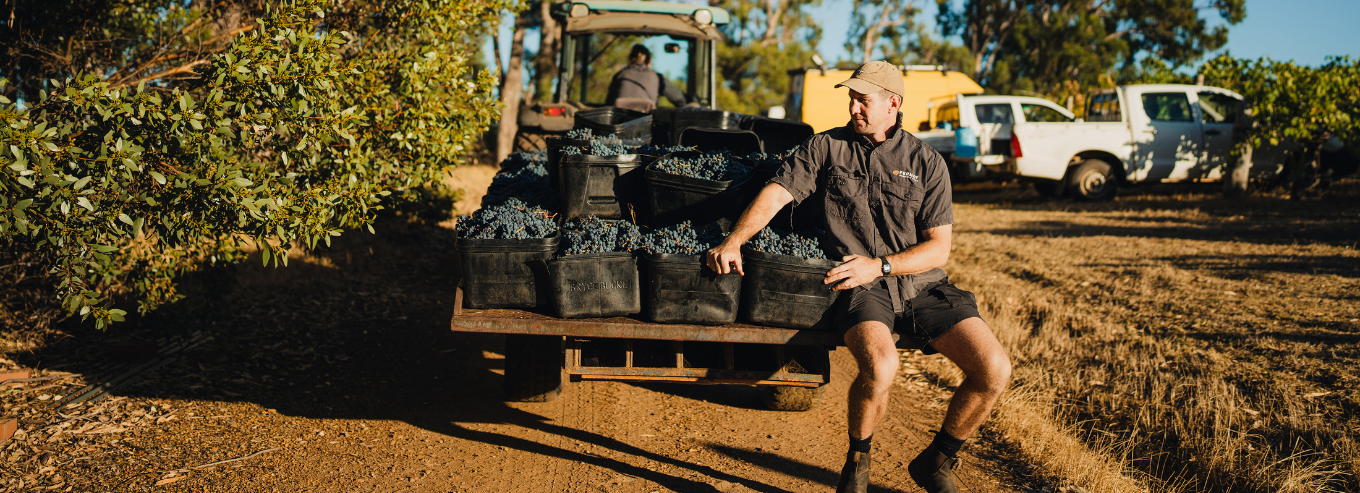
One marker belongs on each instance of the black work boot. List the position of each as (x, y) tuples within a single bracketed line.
[(933, 471), (855, 474)]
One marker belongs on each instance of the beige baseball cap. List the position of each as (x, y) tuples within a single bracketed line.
[(874, 76)]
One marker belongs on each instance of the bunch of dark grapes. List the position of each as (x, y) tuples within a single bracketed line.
[(804, 244), (683, 239), (589, 235), (513, 219), (658, 151), (608, 147), (714, 165), (524, 177), (769, 160), (514, 162), (629, 238)]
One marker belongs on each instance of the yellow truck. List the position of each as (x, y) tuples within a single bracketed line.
[(813, 98)]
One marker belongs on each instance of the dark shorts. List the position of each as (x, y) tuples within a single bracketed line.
[(927, 316)]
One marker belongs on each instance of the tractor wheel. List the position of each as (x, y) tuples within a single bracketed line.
[(533, 368), (528, 140), (791, 398)]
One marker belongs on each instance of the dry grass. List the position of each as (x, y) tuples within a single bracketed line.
[(1209, 344)]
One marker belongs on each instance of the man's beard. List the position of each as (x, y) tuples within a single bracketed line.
[(861, 127)]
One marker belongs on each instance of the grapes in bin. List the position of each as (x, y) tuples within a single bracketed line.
[(513, 219), (804, 244)]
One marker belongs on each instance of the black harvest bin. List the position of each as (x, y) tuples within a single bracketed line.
[(680, 289), (600, 185), (594, 285), (625, 123), (676, 198), (786, 291), (496, 273)]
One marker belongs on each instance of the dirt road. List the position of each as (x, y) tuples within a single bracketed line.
[(341, 369)]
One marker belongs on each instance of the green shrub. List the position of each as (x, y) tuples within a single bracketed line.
[(297, 132)]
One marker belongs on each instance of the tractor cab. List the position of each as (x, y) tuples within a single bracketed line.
[(597, 37)]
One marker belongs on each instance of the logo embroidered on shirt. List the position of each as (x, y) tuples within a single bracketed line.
[(907, 175)]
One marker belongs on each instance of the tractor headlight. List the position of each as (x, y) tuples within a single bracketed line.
[(580, 10), (703, 16)]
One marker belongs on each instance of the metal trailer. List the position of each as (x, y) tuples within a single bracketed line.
[(791, 367)]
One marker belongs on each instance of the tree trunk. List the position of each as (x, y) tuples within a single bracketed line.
[(545, 63), (1235, 179), (512, 89)]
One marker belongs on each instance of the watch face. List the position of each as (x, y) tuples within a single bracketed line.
[(886, 266)]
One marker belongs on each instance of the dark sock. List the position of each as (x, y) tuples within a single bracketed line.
[(947, 444), (860, 445)]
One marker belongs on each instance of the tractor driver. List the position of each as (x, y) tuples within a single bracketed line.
[(638, 87), (889, 216)]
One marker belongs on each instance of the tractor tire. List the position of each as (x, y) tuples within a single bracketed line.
[(530, 140), (791, 398), (533, 368), (1092, 181)]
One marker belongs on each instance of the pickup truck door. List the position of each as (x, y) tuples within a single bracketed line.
[(1219, 110), (1170, 143)]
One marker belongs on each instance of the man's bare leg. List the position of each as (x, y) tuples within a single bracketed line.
[(974, 349), (872, 345)]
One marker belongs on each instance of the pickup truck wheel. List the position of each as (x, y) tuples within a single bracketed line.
[(1092, 181), (791, 398), (533, 368)]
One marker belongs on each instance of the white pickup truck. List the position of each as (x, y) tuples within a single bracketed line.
[(1132, 134), (973, 132)]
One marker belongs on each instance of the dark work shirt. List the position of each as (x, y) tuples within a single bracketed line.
[(641, 82), (877, 198)]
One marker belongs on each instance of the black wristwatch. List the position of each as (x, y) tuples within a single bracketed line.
[(887, 267)]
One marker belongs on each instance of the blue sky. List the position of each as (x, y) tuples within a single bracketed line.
[(1306, 31)]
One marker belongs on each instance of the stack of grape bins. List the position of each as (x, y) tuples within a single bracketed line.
[(606, 213), (515, 228)]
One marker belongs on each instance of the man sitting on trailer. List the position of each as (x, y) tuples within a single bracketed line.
[(638, 87), (889, 217)]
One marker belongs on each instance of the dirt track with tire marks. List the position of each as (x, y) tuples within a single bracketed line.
[(344, 367)]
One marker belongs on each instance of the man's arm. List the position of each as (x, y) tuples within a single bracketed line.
[(726, 257), (931, 252), (672, 93)]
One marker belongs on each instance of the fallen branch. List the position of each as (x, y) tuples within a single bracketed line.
[(220, 462)]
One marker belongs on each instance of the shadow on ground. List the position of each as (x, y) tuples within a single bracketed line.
[(359, 331)]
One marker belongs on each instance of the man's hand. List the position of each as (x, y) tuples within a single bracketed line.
[(725, 258), (856, 271)]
